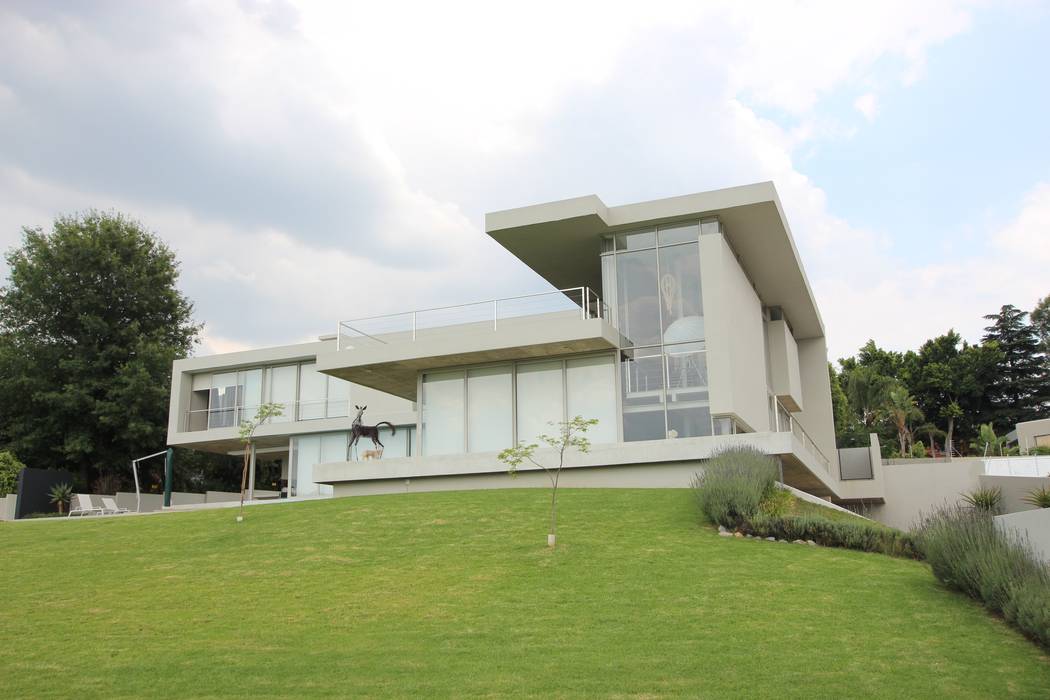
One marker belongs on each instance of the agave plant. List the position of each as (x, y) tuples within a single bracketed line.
[(987, 500), (60, 495), (1040, 498)]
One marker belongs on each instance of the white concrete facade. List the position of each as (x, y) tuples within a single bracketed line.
[(687, 323)]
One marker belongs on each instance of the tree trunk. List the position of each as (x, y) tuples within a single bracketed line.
[(244, 478), (948, 440), (551, 541)]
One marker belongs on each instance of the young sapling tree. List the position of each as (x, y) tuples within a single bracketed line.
[(570, 434), (247, 432)]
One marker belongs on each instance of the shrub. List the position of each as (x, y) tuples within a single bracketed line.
[(918, 450), (778, 503), (987, 500), (733, 484), (968, 552), (861, 535), (9, 469), (1040, 498)]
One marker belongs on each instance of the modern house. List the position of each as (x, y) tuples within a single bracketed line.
[(683, 325)]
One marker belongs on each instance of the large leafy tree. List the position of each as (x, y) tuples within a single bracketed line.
[(950, 378), (1040, 318), (1021, 389), (90, 323)]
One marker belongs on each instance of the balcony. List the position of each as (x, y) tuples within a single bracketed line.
[(197, 420), (387, 352)]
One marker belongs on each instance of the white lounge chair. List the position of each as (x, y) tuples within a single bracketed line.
[(84, 506), (110, 507)]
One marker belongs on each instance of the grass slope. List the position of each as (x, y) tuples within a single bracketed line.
[(453, 594)]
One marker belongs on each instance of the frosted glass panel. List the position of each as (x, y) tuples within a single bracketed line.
[(309, 451), (442, 413), (539, 399), (489, 409), (306, 452), (250, 382), (592, 394), (338, 397), (333, 447), (395, 444), (282, 391), (311, 392)]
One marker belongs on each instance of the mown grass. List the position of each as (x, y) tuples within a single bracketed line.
[(456, 594)]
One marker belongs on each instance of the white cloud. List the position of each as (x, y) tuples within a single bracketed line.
[(325, 161), (868, 105)]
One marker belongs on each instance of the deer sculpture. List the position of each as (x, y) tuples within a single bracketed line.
[(358, 430)]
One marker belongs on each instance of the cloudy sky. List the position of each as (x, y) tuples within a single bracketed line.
[(302, 156)]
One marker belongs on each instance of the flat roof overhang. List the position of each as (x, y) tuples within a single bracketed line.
[(393, 368), (561, 241)]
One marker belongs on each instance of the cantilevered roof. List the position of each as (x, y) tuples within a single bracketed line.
[(561, 241)]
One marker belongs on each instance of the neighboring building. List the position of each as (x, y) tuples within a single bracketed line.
[(1032, 434), (682, 324)]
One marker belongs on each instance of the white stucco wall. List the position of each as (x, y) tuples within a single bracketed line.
[(736, 362), (816, 416)]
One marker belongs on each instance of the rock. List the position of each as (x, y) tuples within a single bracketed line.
[(738, 534), (771, 539), (797, 542), (783, 541), (811, 543), (724, 533), (721, 529), (748, 535)]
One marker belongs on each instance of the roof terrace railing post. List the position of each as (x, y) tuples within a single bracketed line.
[(495, 313), (413, 325), (583, 305)]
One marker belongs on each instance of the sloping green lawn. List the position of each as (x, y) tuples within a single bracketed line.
[(456, 594)]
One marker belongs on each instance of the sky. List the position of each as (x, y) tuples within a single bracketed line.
[(310, 162)]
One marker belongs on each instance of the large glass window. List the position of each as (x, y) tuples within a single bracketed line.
[(396, 443), (591, 393), (637, 296), (312, 389), (282, 391), (505, 403), (442, 413), (222, 401), (680, 299), (338, 404), (490, 424), (688, 408), (653, 278), (643, 394), (250, 385), (307, 452), (539, 399)]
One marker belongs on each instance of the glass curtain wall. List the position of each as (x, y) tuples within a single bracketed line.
[(442, 413), (486, 409), (652, 277)]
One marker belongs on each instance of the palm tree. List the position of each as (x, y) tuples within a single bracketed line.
[(867, 390), (899, 408), (931, 432), (988, 440), (60, 495)]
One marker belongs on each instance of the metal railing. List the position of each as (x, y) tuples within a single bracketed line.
[(231, 417), (477, 316), (785, 422)]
